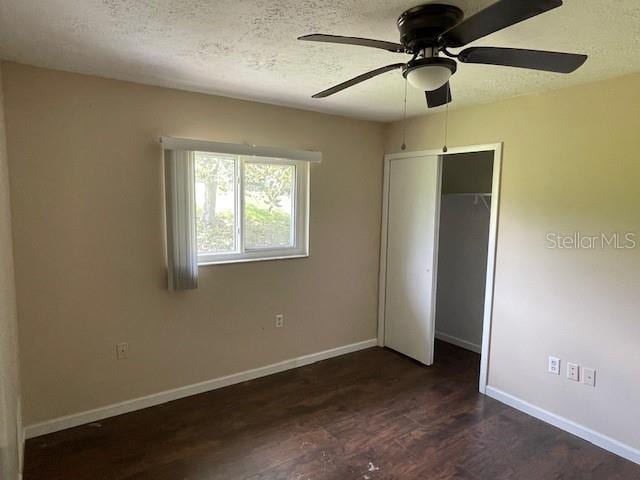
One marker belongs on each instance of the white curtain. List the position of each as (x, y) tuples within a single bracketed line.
[(182, 249)]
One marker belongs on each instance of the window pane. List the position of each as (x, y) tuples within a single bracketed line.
[(215, 203), (268, 205)]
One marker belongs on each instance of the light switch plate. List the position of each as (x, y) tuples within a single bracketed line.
[(573, 371), (589, 376)]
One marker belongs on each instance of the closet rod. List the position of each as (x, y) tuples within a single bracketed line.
[(481, 196), (471, 194)]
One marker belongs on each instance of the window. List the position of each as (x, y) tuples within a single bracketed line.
[(250, 208)]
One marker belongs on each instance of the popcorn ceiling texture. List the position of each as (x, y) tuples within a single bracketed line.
[(248, 49)]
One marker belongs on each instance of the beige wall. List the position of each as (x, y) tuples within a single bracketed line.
[(88, 222), (10, 427), (570, 163)]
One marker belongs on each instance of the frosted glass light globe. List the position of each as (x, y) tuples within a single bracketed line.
[(429, 77)]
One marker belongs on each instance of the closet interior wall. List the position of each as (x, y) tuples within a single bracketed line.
[(462, 250)]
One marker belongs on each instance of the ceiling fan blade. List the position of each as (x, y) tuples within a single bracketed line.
[(516, 57), (363, 42), (439, 97), (356, 80), (497, 16)]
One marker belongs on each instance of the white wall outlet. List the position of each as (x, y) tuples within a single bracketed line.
[(279, 320), (554, 365), (122, 351), (573, 371), (589, 376)]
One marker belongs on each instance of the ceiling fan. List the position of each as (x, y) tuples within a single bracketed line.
[(428, 30)]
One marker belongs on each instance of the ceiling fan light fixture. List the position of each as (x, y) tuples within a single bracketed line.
[(428, 74), (429, 78)]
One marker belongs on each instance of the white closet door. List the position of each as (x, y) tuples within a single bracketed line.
[(412, 231)]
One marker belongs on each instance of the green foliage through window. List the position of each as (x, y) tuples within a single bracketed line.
[(268, 204), (269, 196), (215, 203)]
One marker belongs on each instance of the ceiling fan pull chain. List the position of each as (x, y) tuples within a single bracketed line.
[(446, 121), (404, 118)]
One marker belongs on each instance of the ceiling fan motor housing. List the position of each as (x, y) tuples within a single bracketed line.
[(421, 26)]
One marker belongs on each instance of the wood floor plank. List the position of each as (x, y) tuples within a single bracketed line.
[(370, 415)]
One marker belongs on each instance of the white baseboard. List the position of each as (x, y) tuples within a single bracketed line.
[(599, 439), (445, 337), (23, 439), (20, 439), (127, 406)]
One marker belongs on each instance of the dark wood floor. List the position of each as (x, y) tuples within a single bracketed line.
[(368, 415)]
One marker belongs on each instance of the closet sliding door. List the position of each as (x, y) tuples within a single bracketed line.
[(413, 205)]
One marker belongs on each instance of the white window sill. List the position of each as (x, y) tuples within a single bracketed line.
[(258, 259)]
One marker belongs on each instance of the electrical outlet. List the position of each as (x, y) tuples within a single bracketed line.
[(279, 320), (554, 365), (573, 371), (589, 376), (122, 351)]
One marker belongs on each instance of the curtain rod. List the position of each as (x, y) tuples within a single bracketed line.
[(173, 143)]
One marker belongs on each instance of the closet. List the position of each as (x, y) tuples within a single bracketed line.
[(438, 250), (465, 210)]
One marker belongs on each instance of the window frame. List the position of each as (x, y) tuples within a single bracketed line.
[(300, 217)]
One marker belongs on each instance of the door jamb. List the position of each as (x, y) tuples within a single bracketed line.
[(491, 251)]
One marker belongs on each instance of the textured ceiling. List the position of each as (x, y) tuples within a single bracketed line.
[(248, 48)]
